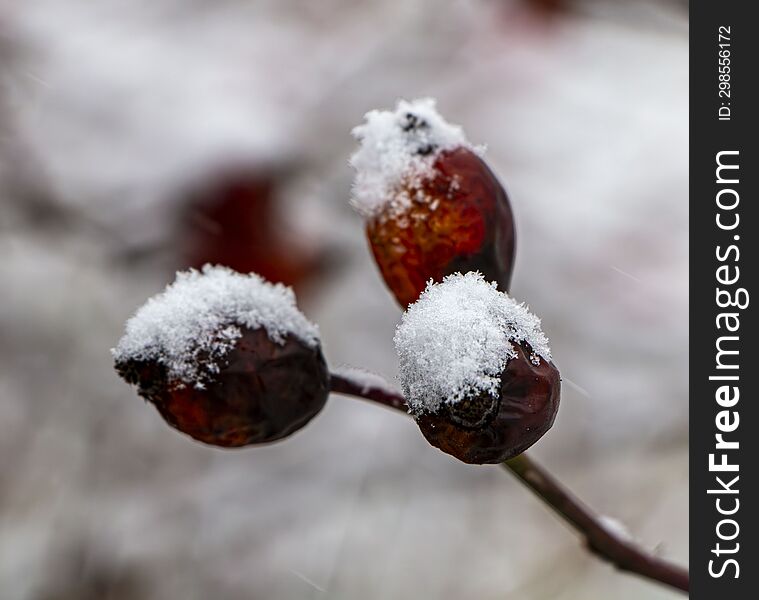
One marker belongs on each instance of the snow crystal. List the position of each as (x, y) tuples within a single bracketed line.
[(456, 340), (396, 154), (196, 321)]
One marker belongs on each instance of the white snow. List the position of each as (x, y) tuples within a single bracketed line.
[(396, 154), (457, 338), (196, 320), (362, 377), (616, 527)]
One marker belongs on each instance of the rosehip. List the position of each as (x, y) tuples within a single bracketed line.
[(476, 370), (226, 358), (234, 218), (487, 429), (433, 206)]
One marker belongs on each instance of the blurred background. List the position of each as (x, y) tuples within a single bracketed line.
[(141, 137)]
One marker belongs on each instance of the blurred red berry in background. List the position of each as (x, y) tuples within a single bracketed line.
[(238, 220)]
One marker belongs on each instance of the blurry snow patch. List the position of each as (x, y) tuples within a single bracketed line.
[(361, 377), (456, 340), (397, 152), (197, 320), (616, 528)]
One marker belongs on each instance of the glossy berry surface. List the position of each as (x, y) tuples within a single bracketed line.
[(487, 430), (263, 392), (458, 220)]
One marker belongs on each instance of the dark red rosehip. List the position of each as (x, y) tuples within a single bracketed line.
[(263, 391), (476, 370), (482, 429), (458, 220), (235, 218)]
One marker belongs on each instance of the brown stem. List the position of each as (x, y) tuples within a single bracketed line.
[(354, 385), (599, 539)]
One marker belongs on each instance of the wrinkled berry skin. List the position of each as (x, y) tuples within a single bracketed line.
[(523, 413), (263, 392), (464, 224)]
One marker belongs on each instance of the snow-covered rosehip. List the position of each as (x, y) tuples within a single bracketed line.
[(433, 207), (476, 370), (226, 358)]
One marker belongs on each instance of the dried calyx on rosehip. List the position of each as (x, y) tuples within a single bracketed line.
[(226, 358), (476, 370), (433, 207)]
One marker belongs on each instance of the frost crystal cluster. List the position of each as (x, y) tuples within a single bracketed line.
[(456, 339), (196, 321), (397, 152)]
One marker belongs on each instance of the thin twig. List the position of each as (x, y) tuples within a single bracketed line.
[(608, 545), (601, 540), (344, 383)]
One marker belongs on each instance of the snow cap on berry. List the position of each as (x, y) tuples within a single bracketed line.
[(455, 341), (197, 320), (397, 151)]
